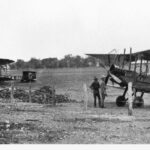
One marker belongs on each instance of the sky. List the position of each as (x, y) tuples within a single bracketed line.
[(54, 28)]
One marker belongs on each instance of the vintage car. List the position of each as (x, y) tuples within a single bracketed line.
[(28, 76)]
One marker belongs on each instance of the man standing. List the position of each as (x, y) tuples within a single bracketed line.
[(95, 86)]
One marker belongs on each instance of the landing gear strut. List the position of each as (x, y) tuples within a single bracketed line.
[(120, 101), (138, 101)]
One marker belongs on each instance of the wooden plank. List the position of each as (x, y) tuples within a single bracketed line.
[(12, 92), (53, 96), (13, 102), (30, 99), (85, 96), (130, 99)]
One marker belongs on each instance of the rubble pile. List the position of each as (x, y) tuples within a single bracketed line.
[(44, 95), (62, 98), (5, 94), (18, 94), (21, 95), (47, 95)]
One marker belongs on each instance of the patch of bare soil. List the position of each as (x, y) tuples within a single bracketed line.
[(70, 123)]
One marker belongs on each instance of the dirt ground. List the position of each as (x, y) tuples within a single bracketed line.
[(71, 123)]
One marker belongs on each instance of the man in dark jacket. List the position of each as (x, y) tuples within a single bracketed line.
[(95, 86)]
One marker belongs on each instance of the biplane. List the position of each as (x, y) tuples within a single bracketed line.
[(27, 76), (4, 76), (124, 68)]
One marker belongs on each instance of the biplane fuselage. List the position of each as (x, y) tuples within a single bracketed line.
[(141, 82), (3, 70)]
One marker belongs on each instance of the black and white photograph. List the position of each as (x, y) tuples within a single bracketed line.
[(74, 72)]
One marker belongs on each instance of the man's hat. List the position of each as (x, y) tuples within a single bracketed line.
[(103, 77), (95, 78)]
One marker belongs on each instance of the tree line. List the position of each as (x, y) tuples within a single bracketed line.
[(68, 61)]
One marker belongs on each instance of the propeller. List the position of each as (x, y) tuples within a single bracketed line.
[(110, 64), (108, 75)]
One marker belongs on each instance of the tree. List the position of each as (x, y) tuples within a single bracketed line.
[(20, 64), (34, 63), (67, 61), (78, 61), (89, 61), (50, 62)]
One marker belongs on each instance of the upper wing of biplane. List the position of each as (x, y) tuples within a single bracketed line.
[(5, 61), (108, 59), (145, 55), (112, 58)]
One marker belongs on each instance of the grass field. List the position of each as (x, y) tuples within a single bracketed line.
[(69, 81), (70, 123)]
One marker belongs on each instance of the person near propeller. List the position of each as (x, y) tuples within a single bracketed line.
[(99, 91)]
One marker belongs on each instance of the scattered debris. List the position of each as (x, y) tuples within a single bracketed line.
[(11, 126), (44, 95), (12, 132)]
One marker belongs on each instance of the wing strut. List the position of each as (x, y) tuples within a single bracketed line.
[(130, 59), (135, 65), (141, 66), (123, 58), (109, 60)]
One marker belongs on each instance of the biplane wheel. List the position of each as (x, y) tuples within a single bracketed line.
[(120, 101), (138, 102)]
